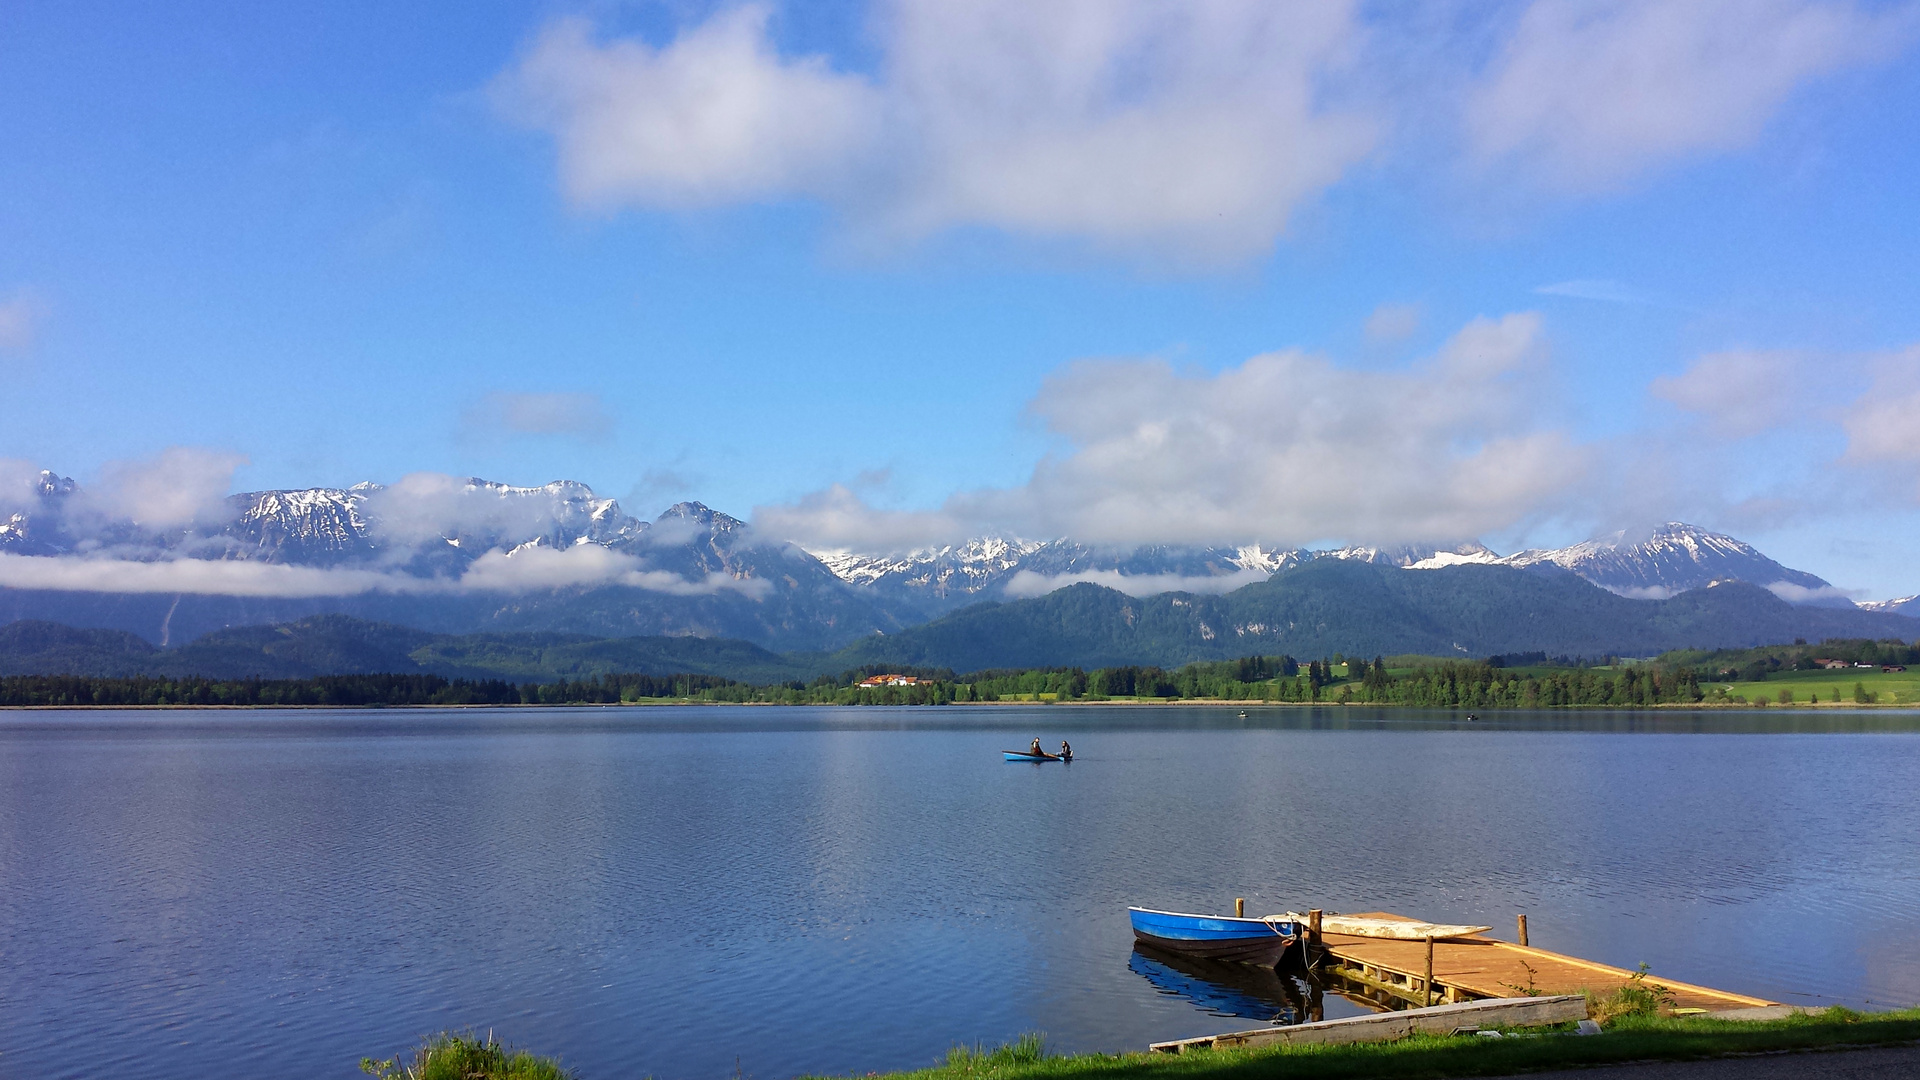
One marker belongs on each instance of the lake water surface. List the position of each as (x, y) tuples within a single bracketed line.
[(691, 892)]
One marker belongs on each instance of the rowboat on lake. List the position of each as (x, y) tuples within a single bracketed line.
[(1216, 937), (1022, 755)]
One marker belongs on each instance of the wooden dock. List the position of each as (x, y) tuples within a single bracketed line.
[(1383, 1027), (1395, 974)]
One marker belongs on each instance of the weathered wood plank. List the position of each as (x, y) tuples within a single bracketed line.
[(1484, 967), (1381, 1027), (1390, 927)]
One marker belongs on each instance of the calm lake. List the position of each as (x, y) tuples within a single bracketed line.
[(695, 892)]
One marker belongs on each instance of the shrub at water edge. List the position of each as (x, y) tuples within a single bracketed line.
[(450, 1056)]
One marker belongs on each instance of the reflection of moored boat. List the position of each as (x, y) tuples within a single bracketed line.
[(1215, 937), (1256, 993)]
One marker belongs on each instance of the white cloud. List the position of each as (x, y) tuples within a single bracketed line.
[(426, 506), (581, 416), (1801, 594), (838, 519), (1391, 323), (1588, 94), (715, 117), (19, 485), (1642, 592), (1883, 426), (180, 486), (77, 573), (1742, 392), (527, 570), (1027, 583), (19, 322), (541, 568), (1195, 131), (1288, 448), (1609, 292), (1196, 128)]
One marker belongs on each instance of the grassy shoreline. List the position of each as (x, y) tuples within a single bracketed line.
[(1495, 710), (1629, 1040)]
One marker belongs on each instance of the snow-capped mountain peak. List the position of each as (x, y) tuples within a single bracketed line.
[(1672, 558), (318, 522), (1905, 605), (1425, 556), (940, 568)]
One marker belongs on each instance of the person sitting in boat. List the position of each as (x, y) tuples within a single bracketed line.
[(1035, 749), (1065, 750)]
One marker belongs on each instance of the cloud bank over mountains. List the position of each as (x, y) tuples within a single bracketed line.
[(167, 525), (1477, 439), (1192, 131), (1290, 449)]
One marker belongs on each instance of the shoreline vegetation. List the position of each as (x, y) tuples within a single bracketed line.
[(1628, 1039), (1850, 673)]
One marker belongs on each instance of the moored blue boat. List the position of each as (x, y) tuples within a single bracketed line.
[(1215, 937)]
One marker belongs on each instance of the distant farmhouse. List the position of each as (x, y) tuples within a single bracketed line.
[(891, 680)]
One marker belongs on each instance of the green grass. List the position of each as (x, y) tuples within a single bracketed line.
[(1638, 1038), (450, 1056), (1888, 687)]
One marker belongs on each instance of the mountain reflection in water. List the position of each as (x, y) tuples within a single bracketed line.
[(1257, 993)]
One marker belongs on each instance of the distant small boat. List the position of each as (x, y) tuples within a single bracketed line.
[(1022, 755), (1243, 714), (1216, 937)]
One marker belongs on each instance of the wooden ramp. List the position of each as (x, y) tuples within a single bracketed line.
[(1466, 969), (1384, 1027)]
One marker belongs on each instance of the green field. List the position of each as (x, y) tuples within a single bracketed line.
[(1831, 687)]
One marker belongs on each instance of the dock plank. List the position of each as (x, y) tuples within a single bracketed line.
[(1479, 967), (1383, 1027)]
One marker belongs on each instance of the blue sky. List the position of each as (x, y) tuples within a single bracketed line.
[(878, 274)]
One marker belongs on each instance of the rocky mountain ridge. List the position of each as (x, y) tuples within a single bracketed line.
[(1669, 559), (414, 553)]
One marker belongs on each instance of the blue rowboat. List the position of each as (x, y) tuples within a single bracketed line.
[(1021, 755), (1215, 937)]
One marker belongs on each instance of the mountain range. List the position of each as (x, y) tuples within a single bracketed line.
[(461, 557), (1321, 608)]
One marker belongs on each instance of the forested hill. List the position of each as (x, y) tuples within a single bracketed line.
[(1340, 606), (340, 645)]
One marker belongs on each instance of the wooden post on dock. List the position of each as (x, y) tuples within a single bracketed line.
[(1523, 929), (1313, 928), (1239, 907), (1428, 985)]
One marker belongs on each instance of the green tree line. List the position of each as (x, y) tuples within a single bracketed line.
[(1277, 679)]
